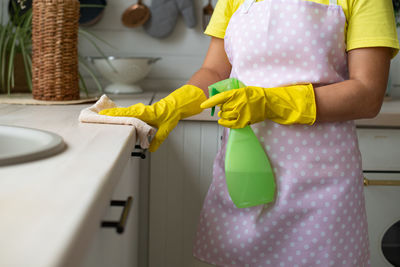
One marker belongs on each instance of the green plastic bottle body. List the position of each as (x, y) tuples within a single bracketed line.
[(249, 176)]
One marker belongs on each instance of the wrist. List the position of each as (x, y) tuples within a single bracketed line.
[(188, 99)]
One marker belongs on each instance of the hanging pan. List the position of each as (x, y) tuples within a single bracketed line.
[(136, 15), (207, 13)]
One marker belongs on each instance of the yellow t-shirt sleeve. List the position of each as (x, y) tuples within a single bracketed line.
[(220, 18), (371, 23)]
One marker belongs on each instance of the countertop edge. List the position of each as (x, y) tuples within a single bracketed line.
[(81, 238)]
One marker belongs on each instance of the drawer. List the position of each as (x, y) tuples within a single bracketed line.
[(380, 149), (383, 216)]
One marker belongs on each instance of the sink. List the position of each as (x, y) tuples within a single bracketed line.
[(21, 144)]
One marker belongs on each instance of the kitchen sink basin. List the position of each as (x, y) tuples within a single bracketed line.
[(21, 144)]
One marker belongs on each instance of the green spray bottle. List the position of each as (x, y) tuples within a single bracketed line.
[(249, 176)]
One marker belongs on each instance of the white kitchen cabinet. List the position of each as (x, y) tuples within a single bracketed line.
[(180, 174), (381, 164), (109, 248)]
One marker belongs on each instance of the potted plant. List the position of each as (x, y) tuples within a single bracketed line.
[(15, 39), (16, 49)]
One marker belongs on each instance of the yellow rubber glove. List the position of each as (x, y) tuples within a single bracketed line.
[(251, 104), (166, 113)]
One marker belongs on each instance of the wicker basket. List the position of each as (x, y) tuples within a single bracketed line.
[(55, 49)]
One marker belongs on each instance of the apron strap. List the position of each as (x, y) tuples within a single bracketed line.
[(246, 5)]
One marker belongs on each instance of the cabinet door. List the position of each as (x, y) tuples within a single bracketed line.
[(383, 213), (129, 186), (381, 165), (109, 248), (180, 174), (380, 149)]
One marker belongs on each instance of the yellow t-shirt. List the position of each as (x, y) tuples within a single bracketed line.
[(369, 23)]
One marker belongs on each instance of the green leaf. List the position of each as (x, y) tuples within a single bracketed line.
[(88, 35), (100, 52), (1, 13), (83, 83), (3, 55), (11, 62), (27, 65), (89, 70), (27, 20)]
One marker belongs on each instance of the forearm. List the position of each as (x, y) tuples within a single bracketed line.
[(205, 77), (362, 95), (216, 66), (348, 100)]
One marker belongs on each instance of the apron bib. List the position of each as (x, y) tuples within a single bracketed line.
[(318, 217)]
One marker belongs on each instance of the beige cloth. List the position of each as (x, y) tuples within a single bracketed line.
[(90, 114)]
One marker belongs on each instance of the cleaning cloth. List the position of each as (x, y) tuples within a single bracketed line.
[(143, 131)]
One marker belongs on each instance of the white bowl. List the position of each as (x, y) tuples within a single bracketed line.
[(123, 72)]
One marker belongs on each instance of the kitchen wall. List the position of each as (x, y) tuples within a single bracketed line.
[(394, 87), (182, 52)]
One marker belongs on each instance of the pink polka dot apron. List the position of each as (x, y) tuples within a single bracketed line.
[(318, 217)]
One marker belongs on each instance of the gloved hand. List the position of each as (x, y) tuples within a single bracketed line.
[(251, 104), (166, 113)]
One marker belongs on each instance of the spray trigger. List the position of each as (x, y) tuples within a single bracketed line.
[(213, 92)]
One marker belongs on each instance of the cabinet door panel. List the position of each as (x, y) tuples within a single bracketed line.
[(381, 164), (382, 212), (181, 172), (380, 149), (129, 186), (106, 247), (109, 248)]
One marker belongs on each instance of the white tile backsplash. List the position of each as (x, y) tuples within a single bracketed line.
[(182, 52)]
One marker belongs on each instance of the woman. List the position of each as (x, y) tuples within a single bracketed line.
[(311, 68)]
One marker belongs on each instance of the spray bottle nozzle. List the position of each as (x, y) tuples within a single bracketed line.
[(222, 86), (213, 91)]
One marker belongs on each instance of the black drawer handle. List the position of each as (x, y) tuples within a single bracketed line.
[(120, 225), (378, 171), (139, 153)]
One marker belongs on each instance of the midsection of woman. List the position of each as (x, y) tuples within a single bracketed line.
[(370, 40), (318, 217)]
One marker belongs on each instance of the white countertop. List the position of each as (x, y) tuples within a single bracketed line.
[(48, 207)]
